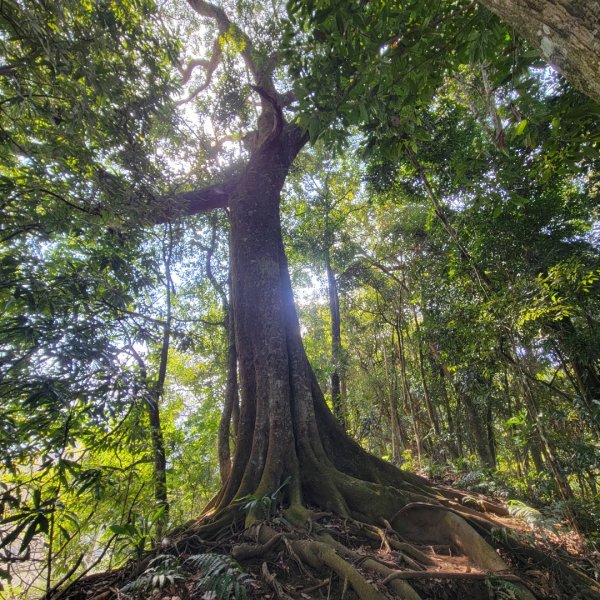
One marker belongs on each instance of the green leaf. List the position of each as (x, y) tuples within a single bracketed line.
[(31, 531), (14, 534), (520, 128)]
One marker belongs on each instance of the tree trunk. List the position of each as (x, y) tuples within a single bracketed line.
[(156, 395), (409, 400), (451, 443), (396, 430), (230, 412), (336, 342), (565, 32), (285, 428), (152, 399), (433, 417), (479, 431), (160, 462), (547, 448), (583, 361)]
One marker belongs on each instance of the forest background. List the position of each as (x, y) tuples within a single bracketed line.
[(441, 231)]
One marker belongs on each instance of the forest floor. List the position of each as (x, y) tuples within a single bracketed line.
[(276, 572)]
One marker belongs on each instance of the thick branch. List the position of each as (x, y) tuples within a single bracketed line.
[(186, 72), (278, 121), (197, 201)]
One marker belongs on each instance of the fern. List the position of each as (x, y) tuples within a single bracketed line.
[(531, 516), (162, 571), (501, 534), (221, 575)]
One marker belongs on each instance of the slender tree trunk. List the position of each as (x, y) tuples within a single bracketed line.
[(433, 417), (336, 342), (160, 462), (408, 397), (585, 376), (231, 405), (455, 445), (156, 395), (230, 414), (478, 430), (545, 445), (393, 408), (562, 483), (491, 436), (152, 404), (510, 413), (452, 443)]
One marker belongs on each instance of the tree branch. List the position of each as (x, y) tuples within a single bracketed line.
[(278, 122), (262, 77), (197, 201), (186, 72), (210, 65)]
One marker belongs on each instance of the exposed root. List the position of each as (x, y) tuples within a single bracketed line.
[(406, 549), (476, 500), (400, 588), (319, 554), (420, 545), (317, 586), (436, 523), (247, 551), (450, 575), (272, 581)]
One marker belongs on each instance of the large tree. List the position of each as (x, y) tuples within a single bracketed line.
[(287, 439)]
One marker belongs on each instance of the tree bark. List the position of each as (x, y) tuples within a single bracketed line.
[(230, 413), (156, 394), (409, 399), (396, 429), (565, 32), (433, 417)]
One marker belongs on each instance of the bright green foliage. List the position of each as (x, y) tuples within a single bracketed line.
[(162, 572), (376, 64), (322, 216), (82, 84), (220, 577), (85, 117)]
